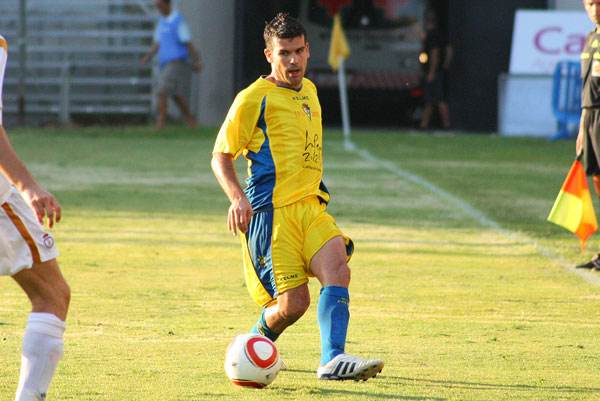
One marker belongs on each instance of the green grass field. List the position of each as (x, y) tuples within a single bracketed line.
[(458, 309)]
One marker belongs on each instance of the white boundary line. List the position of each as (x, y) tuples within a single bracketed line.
[(472, 212)]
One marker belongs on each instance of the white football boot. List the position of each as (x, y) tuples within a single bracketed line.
[(348, 367)]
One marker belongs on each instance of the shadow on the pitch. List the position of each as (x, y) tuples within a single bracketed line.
[(368, 394), (451, 384), (322, 390), (493, 386)]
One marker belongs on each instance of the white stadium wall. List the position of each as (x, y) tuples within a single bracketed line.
[(212, 24)]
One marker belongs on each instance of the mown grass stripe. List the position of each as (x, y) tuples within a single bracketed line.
[(472, 212)]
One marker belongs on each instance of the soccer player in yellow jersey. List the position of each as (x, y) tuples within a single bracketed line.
[(28, 255), (287, 235)]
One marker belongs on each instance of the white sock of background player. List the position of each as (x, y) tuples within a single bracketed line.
[(42, 349)]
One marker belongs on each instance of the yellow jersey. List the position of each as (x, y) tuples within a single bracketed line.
[(279, 131)]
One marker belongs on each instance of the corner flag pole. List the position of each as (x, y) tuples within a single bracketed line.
[(343, 97), (338, 52)]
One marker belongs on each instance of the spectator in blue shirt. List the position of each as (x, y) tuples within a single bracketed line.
[(172, 42)]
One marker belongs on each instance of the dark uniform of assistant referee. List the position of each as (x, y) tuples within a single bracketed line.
[(590, 117), (590, 100)]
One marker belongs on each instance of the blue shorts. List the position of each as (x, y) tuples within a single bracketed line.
[(280, 243)]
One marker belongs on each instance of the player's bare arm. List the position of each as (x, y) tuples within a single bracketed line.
[(195, 57), (579, 141), (433, 64), (448, 55), (240, 211), (148, 56), (41, 201)]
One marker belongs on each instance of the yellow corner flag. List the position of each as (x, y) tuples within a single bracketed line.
[(573, 207), (339, 44)]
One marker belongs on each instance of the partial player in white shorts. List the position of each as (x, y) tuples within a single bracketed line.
[(23, 240), (28, 255)]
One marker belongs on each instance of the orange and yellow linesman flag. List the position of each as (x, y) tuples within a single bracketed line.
[(573, 207), (338, 45)]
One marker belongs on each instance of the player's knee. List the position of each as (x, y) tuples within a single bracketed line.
[(344, 274), (339, 274), (292, 311), (54, 298), (336, 274), (64, 295), (61, 298), (292, 315), (348, 273)]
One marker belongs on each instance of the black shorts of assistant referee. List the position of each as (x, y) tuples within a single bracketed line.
[(591, 142)]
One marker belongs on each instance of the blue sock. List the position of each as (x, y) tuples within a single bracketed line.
[(333, 316), (261, 328)]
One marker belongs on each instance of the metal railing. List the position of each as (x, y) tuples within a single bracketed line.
[(80, 57)]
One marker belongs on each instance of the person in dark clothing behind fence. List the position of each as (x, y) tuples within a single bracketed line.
[(436, 56)]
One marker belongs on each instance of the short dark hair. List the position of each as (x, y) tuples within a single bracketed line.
[(283, 26)]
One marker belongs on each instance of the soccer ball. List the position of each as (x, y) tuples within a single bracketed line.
[(252, 360)]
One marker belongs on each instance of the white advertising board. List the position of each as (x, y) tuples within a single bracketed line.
[(524, 106), (541, 38)]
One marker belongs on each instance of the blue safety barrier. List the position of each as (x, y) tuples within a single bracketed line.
[(566, 97)]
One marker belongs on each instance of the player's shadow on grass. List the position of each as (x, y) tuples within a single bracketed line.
[(323, 391), (494, 386), (370, 395), (447, 384)]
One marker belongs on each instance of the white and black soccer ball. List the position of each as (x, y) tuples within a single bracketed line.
[(252, 360)]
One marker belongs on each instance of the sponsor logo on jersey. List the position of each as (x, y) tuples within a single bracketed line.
[(48, 241), (306, 109)]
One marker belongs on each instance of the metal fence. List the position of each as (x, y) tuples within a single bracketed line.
[(82, 57)]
